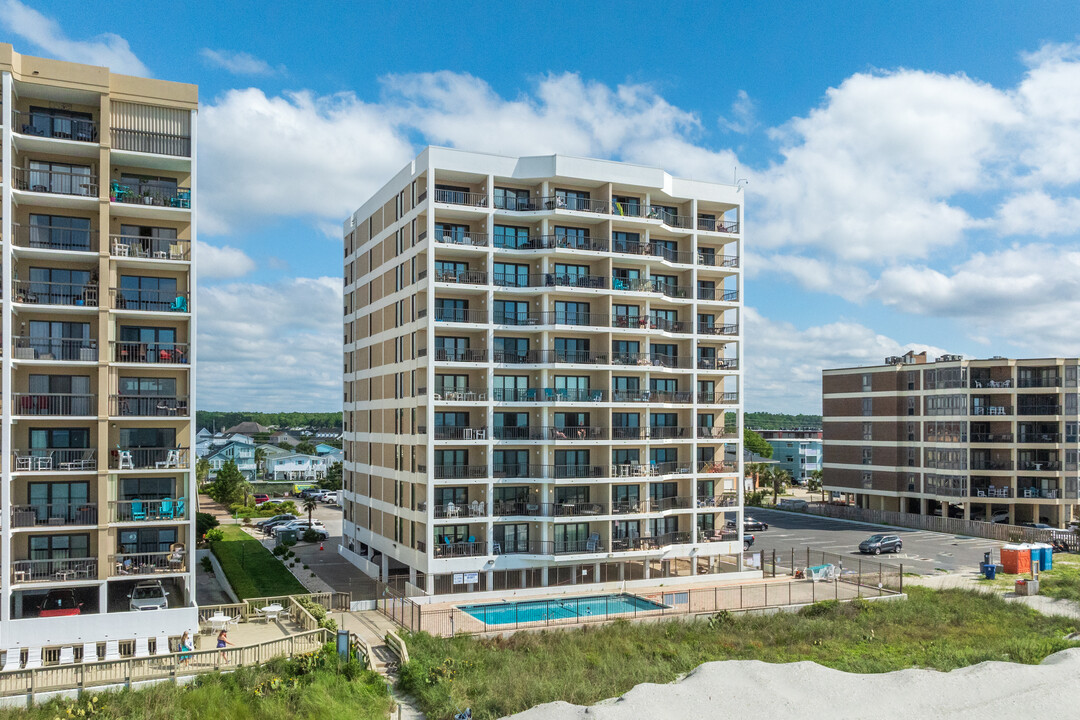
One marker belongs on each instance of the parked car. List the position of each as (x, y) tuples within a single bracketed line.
[(878, 544), (60, 603), (752, 524), (330, 498), (148, 595), (747, 541), (260, 498), (1036, 525), (301, 526), (311, 492), (263, 524)]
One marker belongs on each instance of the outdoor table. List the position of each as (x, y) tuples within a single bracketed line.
[(271, 612)]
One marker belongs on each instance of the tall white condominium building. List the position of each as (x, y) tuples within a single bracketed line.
[(98, 383), (542, 383)]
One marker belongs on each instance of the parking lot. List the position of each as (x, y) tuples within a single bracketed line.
[(924, 552)]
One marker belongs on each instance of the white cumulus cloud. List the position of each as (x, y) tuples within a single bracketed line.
[(238, 62)]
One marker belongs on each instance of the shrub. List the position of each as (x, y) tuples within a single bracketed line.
[(279, 550), (207, 566), (318, 612), (203, 522), (215, 535), (311, 536), (820, 609)]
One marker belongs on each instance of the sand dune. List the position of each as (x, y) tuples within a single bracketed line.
[(749, 690)]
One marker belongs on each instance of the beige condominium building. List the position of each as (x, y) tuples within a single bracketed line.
[(98, 221), (988, 439), (542, 375)]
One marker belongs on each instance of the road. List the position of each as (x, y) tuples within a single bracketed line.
[(926, 553)]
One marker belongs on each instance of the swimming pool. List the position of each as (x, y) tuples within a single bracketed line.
[(506, 613)]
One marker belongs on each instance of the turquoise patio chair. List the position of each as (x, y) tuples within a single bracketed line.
[(181, 507), (166, 509), (138, 510)]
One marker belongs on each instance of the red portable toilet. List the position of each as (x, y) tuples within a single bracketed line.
[(1016, 559)]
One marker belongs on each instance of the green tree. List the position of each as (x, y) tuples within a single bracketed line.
[(816, 483), (229, 486), (755, 470), (260, 460), (309, 506), (306, 447), (202, 469), (776, 480), (756, 444), (332, 481)]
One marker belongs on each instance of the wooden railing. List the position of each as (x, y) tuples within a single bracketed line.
[(397, 645)]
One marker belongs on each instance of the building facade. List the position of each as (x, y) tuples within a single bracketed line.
[(988, 439), (542, 375), (797, 451), (98, 379)]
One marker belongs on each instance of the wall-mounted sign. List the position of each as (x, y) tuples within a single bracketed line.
[(472, 578)]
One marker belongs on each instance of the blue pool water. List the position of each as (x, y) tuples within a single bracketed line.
[(559, 609)]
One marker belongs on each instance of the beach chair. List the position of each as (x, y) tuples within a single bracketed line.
[(89, 653), (112, 650), (142, 647), (33, 658), (593, 543), (161, 646), (126, 461), (474, 508), (181, 507), (12, 660), (165, 510), (138, 510), (67, 655)]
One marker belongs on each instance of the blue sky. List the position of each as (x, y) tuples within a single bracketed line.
[(913, 167)]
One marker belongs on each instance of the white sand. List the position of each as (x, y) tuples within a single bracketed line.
[(752, 690)]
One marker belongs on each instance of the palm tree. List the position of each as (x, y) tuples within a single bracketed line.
[(309, 505), (777, 480), (816, 483), (260, 460)]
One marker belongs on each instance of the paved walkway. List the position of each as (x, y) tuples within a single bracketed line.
[(970, 581)]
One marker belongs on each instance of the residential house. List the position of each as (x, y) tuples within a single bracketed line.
[(248, 428), (240, 452), (296, 466)]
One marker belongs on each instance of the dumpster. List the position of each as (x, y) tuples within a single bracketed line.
[(288, 537), (1016, 559)]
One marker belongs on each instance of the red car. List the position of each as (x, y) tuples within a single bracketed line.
[(260, 498), (60, 603)]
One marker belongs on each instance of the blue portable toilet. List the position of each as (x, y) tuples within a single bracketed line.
[(1046, 556)]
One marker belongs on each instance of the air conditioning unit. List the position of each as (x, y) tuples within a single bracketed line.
[(950, 358)]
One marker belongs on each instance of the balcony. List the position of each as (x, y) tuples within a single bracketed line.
[(524, 508), (575, 357), (663, 504), (1039, 465), (59, 404), (1038, 410), (717, 225), (149, 459), (627, 544), (1039, 437), (33, 292), (672, 290), (56, 237), (55, 348), (460, 197), (516, 203), (651, 360), (718, 364), (460, 472), (1039, 382), (683, 222), (61, 569), (984, 491), (709, 467), (156, 143), (985, 437), (992, 410), (443, 432), (715, 433), (1034, 492), (576, 472), (651, 469), (718, 329), (445, 550), (151, 248), (717, 501), (576, 433), (54, 514), (152, 194), (981, 464), (713, 260), (147, 406), (59, 126), (148, 510), (468, 277), (668, 432), (654, 396), (155, 563), (464, 510), (56, 182), (629, 433), (55, 459), (718, 294), (465, 355), (460, 315), (459, 237), (569, 242), (517, 470), (718, 398), (157, 353), (163, 301)]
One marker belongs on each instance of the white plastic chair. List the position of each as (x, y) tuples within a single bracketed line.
[(89, 653), (67, 655), (33, 658), (126, 461), (162, 647), (112, 650), (142, 647), (13, 660)]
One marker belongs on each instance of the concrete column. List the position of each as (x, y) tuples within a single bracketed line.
[(384, 574)]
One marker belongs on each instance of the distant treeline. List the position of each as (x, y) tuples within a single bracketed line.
[(224, 420), (780, 421)]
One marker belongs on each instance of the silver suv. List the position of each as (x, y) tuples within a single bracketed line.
[(148, 595)]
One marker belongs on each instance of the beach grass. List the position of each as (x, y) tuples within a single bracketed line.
[(943, 630), (312, 686), (251, 569)]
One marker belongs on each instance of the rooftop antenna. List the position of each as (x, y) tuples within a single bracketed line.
[(737, 181)]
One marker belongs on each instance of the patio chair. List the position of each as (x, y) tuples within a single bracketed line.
[(530, 394), (89, 653), (165, 509), (12, 660), (85, 462), (142, 647), (549, 394), (179, 304), (67, 655), (172, 459), (181, 508), (593, 543), (161, 645), (474, 508), (138, 510), (126, 461), (33, 658), (112, 650)]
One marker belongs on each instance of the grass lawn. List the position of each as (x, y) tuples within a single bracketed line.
[(1061, 581), (252, 570), (313, 686), (931, 629)]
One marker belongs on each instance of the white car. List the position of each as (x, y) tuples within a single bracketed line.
[(330, 498), (301, 526), (148, 595)]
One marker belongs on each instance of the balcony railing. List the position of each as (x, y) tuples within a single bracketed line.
[(717, 225), (460, 472), (990, 465), (55, 348), (1039, 382), (649, 543), (629, 433), (467, 277), (58, 125), (678, 396), (684, 222), (684, 257), (153, 563), (718, 329), (573, 395), (650, 360), (717, 501), (150, 300), (1041, 493), (1038, 410), (460, 433), (153, 248), (148, 406), (460, 315), (54, 514), (154, 195), (522, 508), (60, 569), (149, 510), (61, 404), (161, 353), (717, 397), (672, 290), (516, 203), (463, 510), (1039, 465), (569, 242), (460, 394), (667, 432), (576, 357), (574, 280), (984, 491), (718, 363), (56, 182), (517, 470), (55, 459), (718, 294), (566, 472), (461, 197), (663, 504), (151, 142), (523, 432), (558, 202), (713, 260), (672, 326), (715, 433), (563, 432), (981, 437), (444, 550), (651, 469), (56, 237), (160, 458), (510, 358), (460, 237), (715, 466), (34, 292), (463, 355), (992, 410), (1037, 437)]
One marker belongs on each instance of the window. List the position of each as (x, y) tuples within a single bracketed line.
[(514, 238), (151, 488), (659, 527), (571, 537), (706, 324), (59, 232), (451, 348), (60, 340), (446, 495), (451, 419), (451, 232), (663, 385), (138, 292), (42, 439), (625, 498), (451, 310), (451, 458), (572, 350), (574, 238), (867, 382), (449, 270), (625, 352), (511, 350), (626, 242), (511, 312), (511, 275), (512, 538), (57, 286), (159, 189), (66, 124), (626, 456), (572, 199), (626, 315), (510, 463), (50, 500), (148, 344), (59, 547), (451, 383), (571, 313), (572, 495), (706, 290), (147, 438), (71, 396), (626, 205), (511, 388), (867, 431), (146, 540), (868, 456), (60, 178), (512, 199), (867, 406), (667, 249)]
